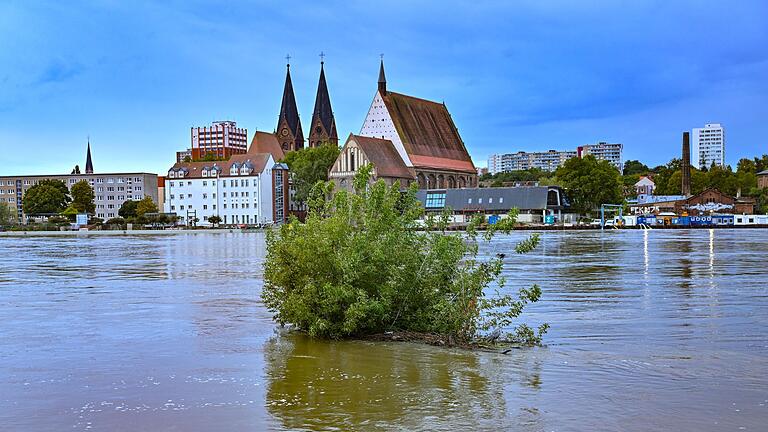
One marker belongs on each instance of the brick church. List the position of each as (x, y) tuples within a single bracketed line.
[(407, 139), (323, 126)]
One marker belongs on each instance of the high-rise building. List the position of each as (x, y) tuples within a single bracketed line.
[(604, 151), (288, 131), (323, 123), (546, 161), (708, 146), (221, 140)]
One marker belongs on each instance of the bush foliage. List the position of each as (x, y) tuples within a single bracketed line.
[(360, 264)]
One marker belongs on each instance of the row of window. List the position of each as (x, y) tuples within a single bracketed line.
[(213, 206), (232, 183)]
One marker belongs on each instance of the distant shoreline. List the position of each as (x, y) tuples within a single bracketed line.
[(119, 233)]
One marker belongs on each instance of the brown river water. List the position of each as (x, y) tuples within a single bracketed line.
[(650, 330)]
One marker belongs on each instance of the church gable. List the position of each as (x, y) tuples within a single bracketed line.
[(378, 124)]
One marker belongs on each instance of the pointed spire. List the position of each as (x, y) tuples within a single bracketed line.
[(88, 161), (382, 78), (323, 123), (289, 114)]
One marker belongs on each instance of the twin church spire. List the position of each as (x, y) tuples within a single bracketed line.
[(323, 126)]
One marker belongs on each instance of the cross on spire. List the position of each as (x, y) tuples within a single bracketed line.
[(288, 59), (322, 57)]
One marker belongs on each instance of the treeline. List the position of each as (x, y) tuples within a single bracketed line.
[(590, 182)]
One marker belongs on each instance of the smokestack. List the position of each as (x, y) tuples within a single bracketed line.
[(686, 165)]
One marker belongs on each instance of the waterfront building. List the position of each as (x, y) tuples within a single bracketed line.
[(708, 146), (288, 130), (533, 203), (708, 202), (604, 151), (220, 140), (110, 190), (423, 136), (245, 189), (762, 179), (547, 161), (323, 122), (645, 186)]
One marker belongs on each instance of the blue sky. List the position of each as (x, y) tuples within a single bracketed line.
[(522, 75)]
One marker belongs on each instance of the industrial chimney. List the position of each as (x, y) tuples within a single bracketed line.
[(685, 166)]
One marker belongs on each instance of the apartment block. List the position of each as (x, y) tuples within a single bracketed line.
[(708, 146)]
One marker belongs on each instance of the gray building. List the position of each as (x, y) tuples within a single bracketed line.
[(110, 190), (533, 203)]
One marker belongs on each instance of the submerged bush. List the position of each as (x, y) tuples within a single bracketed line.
[(361, 264)]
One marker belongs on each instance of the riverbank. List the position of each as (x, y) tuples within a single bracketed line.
[(121, 233)]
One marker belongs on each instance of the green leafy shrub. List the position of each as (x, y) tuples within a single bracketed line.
[(361, 264)]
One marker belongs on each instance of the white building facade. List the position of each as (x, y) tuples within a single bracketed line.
[(612, 153), (239, 191), (546, 161), (708, 146)]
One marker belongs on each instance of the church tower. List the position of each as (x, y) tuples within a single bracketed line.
[(88, 161), (323, 124), (288, 131)]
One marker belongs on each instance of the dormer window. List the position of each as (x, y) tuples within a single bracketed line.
[(204, 172), (171, 174)]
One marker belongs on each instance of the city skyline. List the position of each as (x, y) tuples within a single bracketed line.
[(136, 78)]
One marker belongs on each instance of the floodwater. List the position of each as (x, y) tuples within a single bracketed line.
[(650, 330)]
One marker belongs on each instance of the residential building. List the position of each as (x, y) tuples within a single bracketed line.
[(246, 189), (111, 190), (604, 151), (423, 136), (645, 186), (546, 161), (181, 156), (708, 146), (221, 140)]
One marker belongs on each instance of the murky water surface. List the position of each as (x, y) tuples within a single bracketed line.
[(660, 330)]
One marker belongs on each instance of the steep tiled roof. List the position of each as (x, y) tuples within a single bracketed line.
[(194, 169), (428, 133), (383, 155), (264, 142), (765, 172)]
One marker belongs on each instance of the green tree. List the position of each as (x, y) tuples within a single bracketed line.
[(82, 197), (46, 197), (360, 265), (215, 220), (590, 182), (70, 213), (128, 209), (310, 165), (747, 166), (7, 215), (146, 205), (632, 167)]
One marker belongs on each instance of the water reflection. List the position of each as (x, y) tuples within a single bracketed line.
[(655, 330), (355, 385)]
